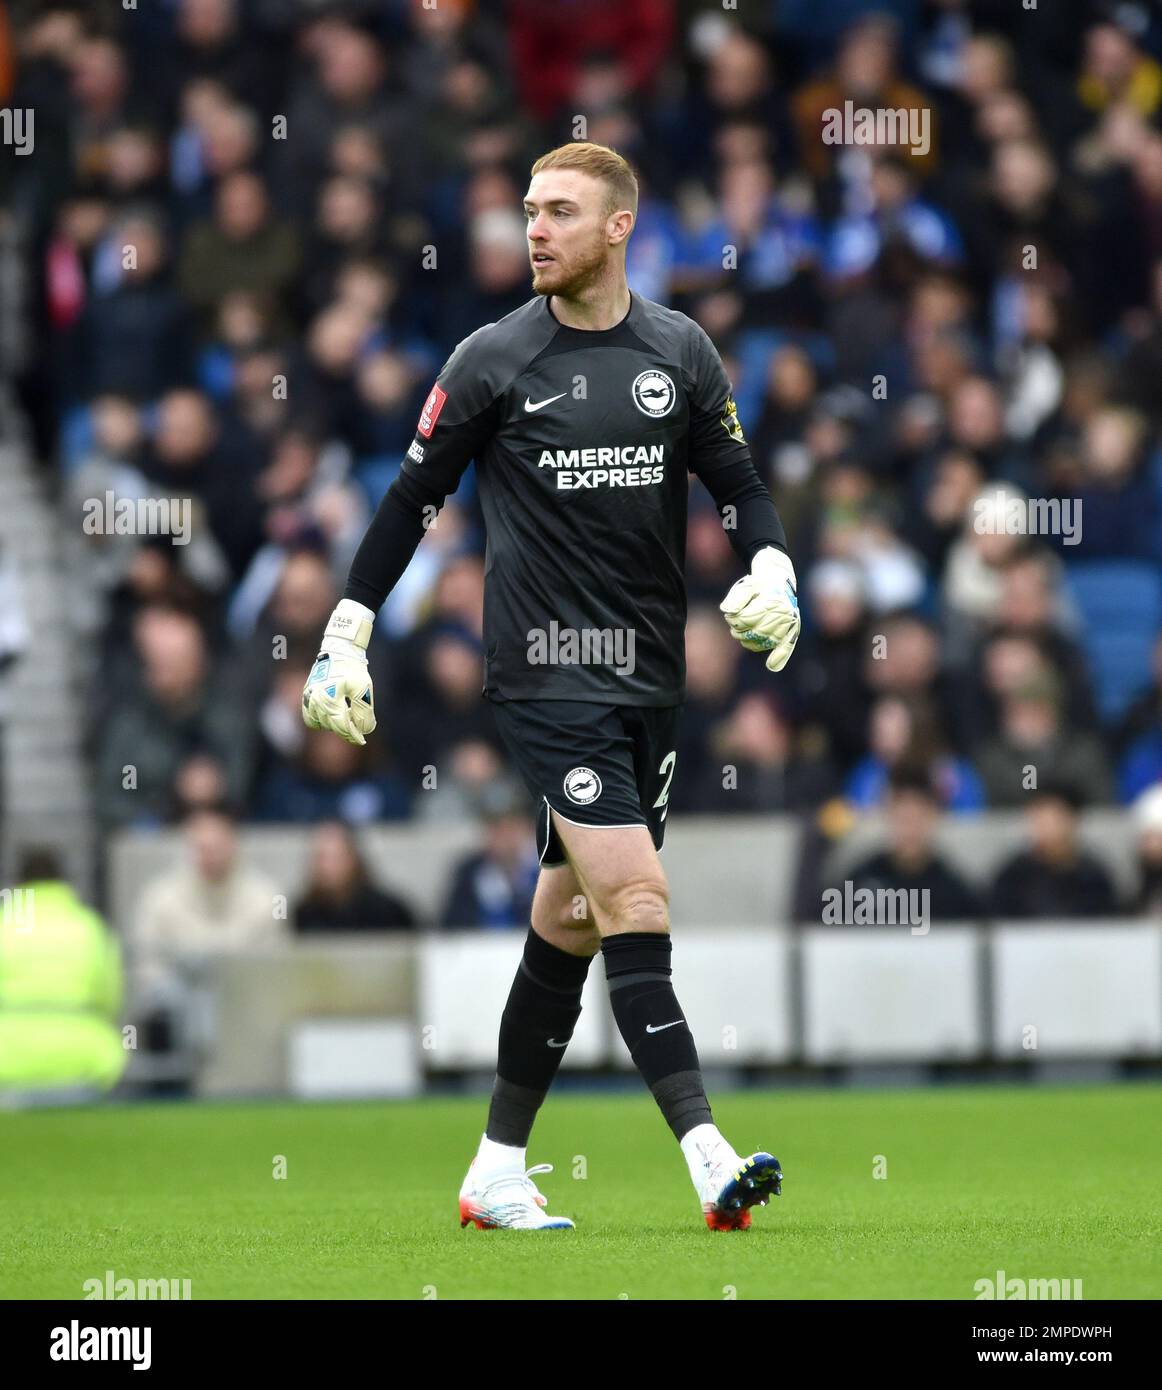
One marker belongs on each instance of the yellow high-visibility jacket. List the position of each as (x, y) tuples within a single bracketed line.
[(60, 991)]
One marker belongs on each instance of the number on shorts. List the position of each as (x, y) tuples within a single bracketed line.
[(667, 768)]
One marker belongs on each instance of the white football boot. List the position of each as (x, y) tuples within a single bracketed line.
[(728, 1186), (507, 1199)]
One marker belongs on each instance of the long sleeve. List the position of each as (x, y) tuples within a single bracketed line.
[(458, 417), (720, 457)]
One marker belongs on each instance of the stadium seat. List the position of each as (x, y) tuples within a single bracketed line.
[(1120, 603)]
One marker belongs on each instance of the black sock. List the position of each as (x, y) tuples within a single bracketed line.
[(543, 1007), (637, 966)]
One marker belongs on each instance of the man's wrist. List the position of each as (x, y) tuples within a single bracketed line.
[(771, 566), (348, 629)]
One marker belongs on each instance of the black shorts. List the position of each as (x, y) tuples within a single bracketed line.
[(597, 765)]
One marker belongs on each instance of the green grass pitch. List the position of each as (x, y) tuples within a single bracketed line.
[(1039, 1182)]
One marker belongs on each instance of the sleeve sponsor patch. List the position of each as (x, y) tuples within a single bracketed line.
[(431, 411), (730, 422)]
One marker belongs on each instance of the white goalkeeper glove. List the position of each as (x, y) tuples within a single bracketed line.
[(762, 608), (338, 694)]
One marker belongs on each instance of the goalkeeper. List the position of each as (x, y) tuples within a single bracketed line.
[(585, 412)]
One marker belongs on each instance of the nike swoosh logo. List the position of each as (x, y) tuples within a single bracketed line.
[(530, 407), (661, 1028), (553, 1043)]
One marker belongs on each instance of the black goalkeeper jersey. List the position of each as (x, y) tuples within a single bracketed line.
[(583, 441)]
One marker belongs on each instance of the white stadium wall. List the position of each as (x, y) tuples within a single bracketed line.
[(757, 991)]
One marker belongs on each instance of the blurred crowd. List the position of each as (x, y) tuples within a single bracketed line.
[(214, 898), (322, 200)]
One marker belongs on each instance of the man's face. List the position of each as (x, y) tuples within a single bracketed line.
[(213, 843), (508, 838), (569, 230), (912, 818), (1052, 825)]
